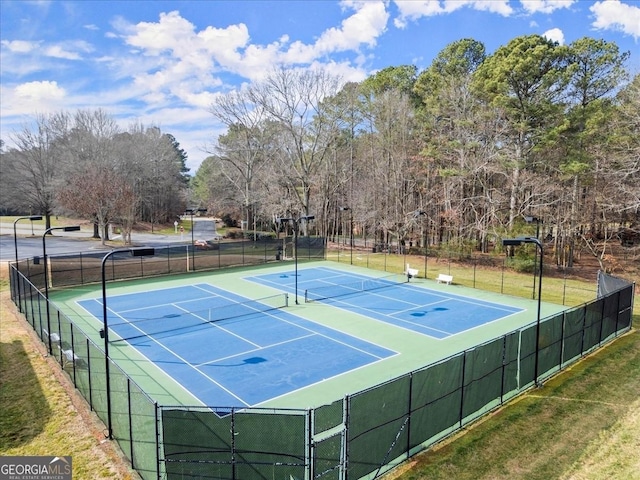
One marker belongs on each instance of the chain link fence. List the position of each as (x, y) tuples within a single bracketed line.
[(359, 436)]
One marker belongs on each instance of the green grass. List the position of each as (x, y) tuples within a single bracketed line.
[(555, 431), (583, 424), (555, 289), (40, 414)]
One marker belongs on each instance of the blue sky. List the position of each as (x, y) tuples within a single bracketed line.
[(163, 62)]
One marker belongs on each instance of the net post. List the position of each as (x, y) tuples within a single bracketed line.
[(286, 299)]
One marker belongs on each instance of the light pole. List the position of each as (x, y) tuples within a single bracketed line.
[(33, 218), (191, 212), (104, 333), (295, 221), (416, 215), (344, 209), (73, 228), (507, 242), (531, 219)]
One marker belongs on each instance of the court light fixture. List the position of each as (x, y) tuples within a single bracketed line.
[(104, 333), (191, 212), (73, 228), (416, 216), (348, 209), (33, 218), (296, 227), (531, 219), (515, 242)]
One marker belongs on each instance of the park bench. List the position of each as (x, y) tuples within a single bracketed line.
[(443, 278), (411, 272)]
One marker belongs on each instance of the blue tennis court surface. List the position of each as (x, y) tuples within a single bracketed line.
[(260, 353), (434, 313)]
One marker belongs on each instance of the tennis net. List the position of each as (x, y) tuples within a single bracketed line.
[(174, 320), (365, 285)]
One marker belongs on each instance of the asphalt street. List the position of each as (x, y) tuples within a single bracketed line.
[(28, 240)]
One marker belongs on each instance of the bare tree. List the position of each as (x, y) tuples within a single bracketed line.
[(98, 191), (242, 152), (37, 162), (294, 101)]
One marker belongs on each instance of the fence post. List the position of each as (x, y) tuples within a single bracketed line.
[(409, 411), (464, 366), (130, 423), (88, 370), (309, 463), (344, 460), (158, 442)]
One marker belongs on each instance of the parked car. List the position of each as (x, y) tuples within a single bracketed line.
[(206, 245)]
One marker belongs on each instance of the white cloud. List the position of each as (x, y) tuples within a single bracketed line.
[(183, 62), (363, 27), (555, 34), (67, 50), (154, 38), (20, 46), (26, 98), (414, 9), (615, 15), (500, 7), (58, 51), (545, 6), (36, 91)]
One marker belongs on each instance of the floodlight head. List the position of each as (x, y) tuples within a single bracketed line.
[(73, 228), (511, 242), (35, 217), (507, 242), (143, 252), (307, 217)]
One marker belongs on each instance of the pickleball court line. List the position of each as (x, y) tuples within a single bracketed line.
[(392, 320), (254, 350), (309, 329), (205, 322), (179, 357)]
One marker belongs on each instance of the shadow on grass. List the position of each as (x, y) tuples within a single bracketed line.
[(24, 411)]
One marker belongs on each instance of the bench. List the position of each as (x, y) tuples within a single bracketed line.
[(442, 278), (411, 272), (69, 358), (55, 338)]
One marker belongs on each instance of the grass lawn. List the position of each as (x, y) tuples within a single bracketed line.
[(40, 413), (583, 424)]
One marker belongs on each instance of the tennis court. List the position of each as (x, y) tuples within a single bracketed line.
[(389, 299), (237, 337), (227, 350)]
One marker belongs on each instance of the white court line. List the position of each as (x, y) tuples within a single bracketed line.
[(196, 367), (215, 324), (253, 350), (174, 379)]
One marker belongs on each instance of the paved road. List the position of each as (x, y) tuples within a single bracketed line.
[(29, 240)]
